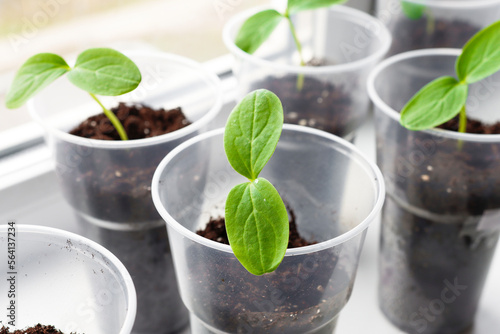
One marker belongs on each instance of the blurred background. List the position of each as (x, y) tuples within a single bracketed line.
[(191, 28)]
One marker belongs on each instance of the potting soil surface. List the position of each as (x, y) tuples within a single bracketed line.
[(139, 122), (38, 329), (414, 35), (473, 126), (216, 230)]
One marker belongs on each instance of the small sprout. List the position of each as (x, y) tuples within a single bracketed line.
[(414, 11), (256, 217), (98, 71), (445, 97), (257, 28)]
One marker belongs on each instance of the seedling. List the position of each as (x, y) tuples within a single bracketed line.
[(256, 217), (415, 11), (98, 71), (445, 97), (257, 28)]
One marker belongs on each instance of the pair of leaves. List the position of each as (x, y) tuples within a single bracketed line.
[(443, 98), (98, 71), (256, 218), (257, 28)]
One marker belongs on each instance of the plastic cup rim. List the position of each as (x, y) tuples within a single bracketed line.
[(358, 229), (129, 320), (210, 78), (350, 13), (386, 109), (456, 4)]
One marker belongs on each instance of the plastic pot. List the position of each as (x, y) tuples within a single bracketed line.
[(435, 23), (62, 279), (311, 286), (439, 224), (108, 182), (347, 42)]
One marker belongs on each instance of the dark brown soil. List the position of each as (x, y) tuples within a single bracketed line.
[(216, 230), (319, 104), (38, 329), (318, 62), (139, 122), (420, 258), (473, 126), (298, 295), (412, 35), (114, 185)]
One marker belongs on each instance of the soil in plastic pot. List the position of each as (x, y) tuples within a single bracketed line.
[(319, 104), (121, 191), (37, 329), (121, 196), (292, 303), (415, 34), (434, 263)]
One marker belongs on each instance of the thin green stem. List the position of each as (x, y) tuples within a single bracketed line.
[(300, 78), (296, 40), (113, 119), (462, 121), (431, 22), (462, 126)]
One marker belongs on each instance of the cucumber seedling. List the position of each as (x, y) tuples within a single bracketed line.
[(414, 11), (446, 97), (256, 218), (258, 27), (98, 71)]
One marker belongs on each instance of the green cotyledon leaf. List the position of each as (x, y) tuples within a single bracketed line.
[(252, 132), (480, 56), (105, 72), (436, 103), (256, 29), (257, 226), (35, 74)]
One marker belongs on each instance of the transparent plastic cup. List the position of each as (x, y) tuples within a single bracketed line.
[(169, 81), (313, 283), (62, 279), (442, 24), (108, 182), (347, 41), (440, 222)]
